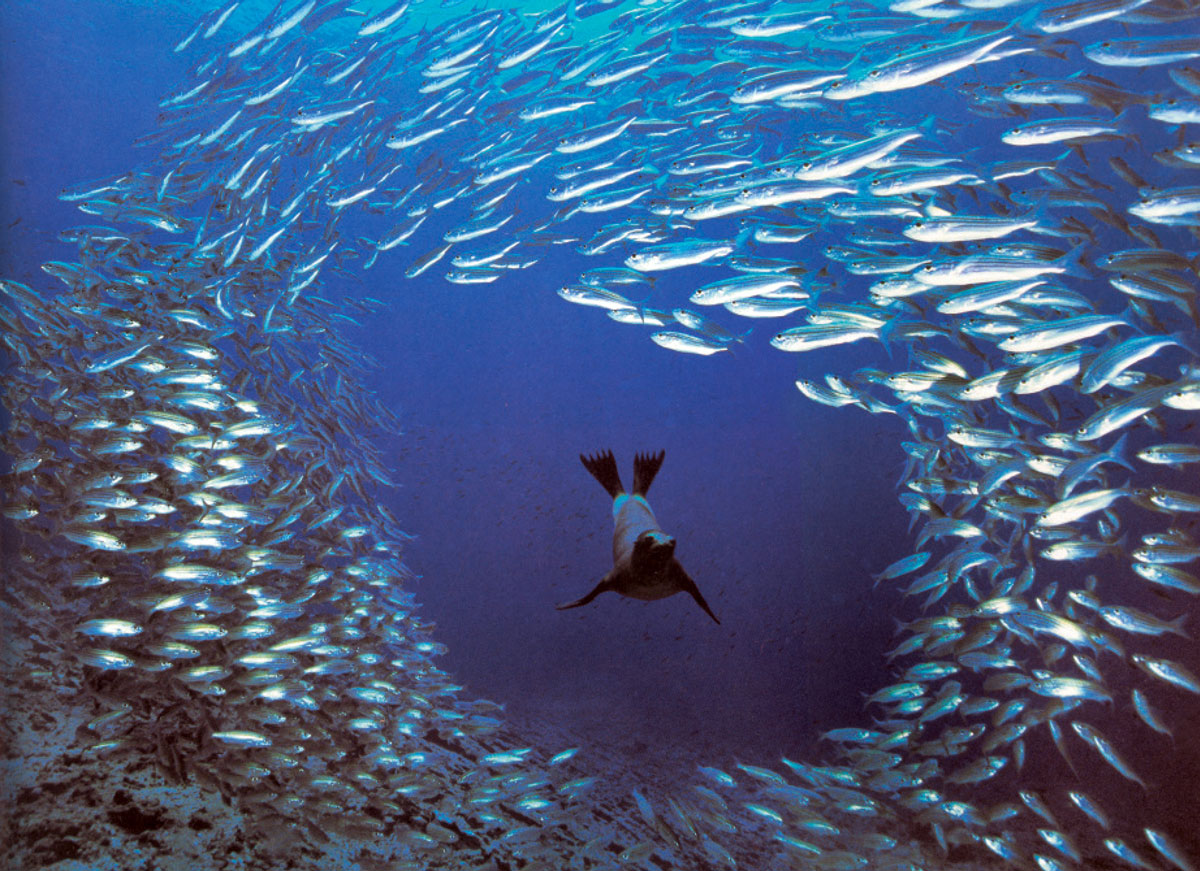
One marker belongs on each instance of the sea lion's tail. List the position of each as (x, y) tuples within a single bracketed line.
[(645, 467), (603, 467)]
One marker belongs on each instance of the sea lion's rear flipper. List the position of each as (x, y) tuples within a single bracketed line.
[(604, 469), (645, 467), (596, 591), (688, 585)]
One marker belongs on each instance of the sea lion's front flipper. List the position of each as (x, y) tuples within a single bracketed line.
[(645, 467), (604, 469), (601, 587), (689, 586)]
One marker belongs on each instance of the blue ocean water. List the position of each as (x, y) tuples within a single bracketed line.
[(783, 508), (500, 389)]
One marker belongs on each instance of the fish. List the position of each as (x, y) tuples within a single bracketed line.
[(1168, 671), (688, 343), (967, 228), (1143, 52), (1089, 806), (1127, 854), (1168, 849), (1147, 714), (1065, 17), (109, 627), (1059, 130), (984, 268), (848, 159), (742, 287), (673, 255), (1135, 620), (1110, 363)]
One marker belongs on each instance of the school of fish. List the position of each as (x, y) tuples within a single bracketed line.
[(191, 458)]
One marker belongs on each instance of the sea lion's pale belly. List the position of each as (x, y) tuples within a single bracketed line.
[(631, 517)]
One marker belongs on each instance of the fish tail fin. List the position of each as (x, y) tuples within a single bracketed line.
[(1189, 306), (885, 334), (603, 467), (1045, 223), (1074, 263), (645, 467), (1119, 454), (1183, 339), (1177, 626)]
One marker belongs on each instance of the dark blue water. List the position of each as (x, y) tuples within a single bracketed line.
[(500, 388)]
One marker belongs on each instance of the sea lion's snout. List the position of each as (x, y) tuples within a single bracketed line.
[(656, 540)]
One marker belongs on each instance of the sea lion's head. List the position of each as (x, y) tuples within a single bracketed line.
[(652, 551)]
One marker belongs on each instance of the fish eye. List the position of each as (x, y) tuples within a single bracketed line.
[(874, 74)]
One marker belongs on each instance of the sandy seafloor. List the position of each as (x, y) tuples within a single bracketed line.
[(67, 809)]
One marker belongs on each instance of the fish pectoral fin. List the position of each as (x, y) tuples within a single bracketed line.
[(596, 591), (689, 586)]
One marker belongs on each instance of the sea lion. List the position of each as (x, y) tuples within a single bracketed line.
[(644, 564)]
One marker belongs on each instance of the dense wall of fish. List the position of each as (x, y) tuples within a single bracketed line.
[(190, 473)]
